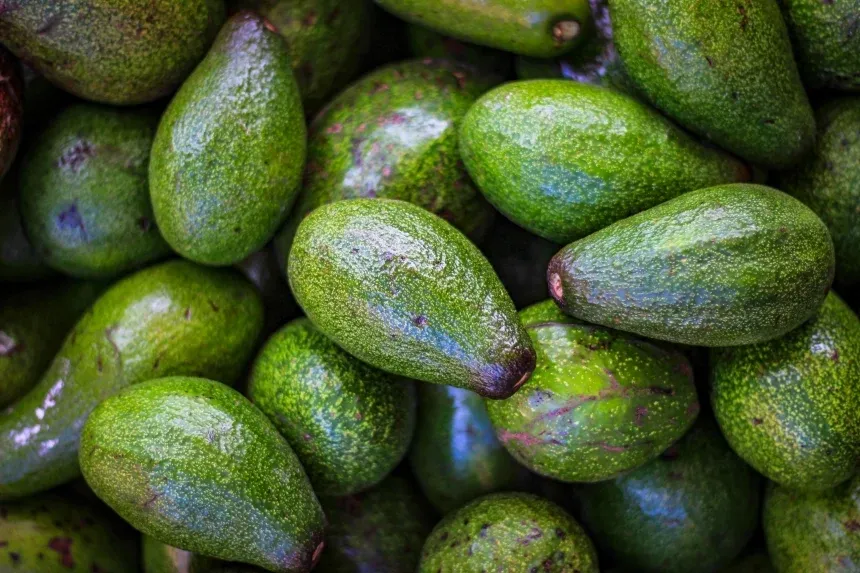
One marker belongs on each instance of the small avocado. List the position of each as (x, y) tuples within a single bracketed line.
[(169, 319), (85, 193), (724, 70), (263, 270), (11, 109), (229, 151), (401, 289), (127, 53), (721, 266), (427, 43), (19, 261), (564, 159), (508, 532), (194, 464), (692, 510), (813, 532), (755, 563), (790, 407), (380, 530), (349, 423)]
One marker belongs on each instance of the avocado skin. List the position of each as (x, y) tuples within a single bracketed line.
[(693, 509), (537, 150), (722, 266), (427, 43), (813, 532), (828, 181), (508, 532), (404, 291), (228, 154), (194, 464), (19, 261), (790, 407), (172, 318), (11, 109), (455, 455), (85, 192), (380, 530), (724, 70), (350, 424)]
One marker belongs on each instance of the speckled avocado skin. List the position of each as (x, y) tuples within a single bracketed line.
[(229, 152), (508, 532), (54, 534), (159, 557), (722, 266), (404, 291), (790, 407), (455, 455), (829, 182), (427, 43), (130, 52), (11, 109), (85, 192), (350, 424), (169, 319), (813, 532), (538, 151), (380, 530), (19, 261), (194, 464), (691, 510), (723, 69)]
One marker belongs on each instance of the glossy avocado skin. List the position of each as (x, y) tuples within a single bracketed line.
[(722, 69), (194, 464), (538, 151), (85, 192), (11, 109), (722, 266), (427, 43), (691, 510), (350, 424), (229, 151), (813, 532), (790, 407), (401, 289), (19, 261), (172, 318), (508, 532)]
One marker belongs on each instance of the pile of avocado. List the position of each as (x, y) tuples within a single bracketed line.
[(384, 286)]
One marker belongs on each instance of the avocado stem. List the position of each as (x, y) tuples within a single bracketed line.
[(565, 31)]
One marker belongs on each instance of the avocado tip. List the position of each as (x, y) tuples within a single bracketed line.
[(565, 31)]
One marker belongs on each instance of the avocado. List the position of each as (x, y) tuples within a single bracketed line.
[(538, 28), (229, 151), (427, 43), (755, 563), (813, 532), (455, 455), (85, 192), (380, 530), (159, 557), (349, 423), (508, 532), (194, 464), (263, 270), (127, 53), (828, 181), (11, 109), (790, 407), (721, 266), (33, 324), (401, 289), (691, 510), (537, 150), (19, 261), (172, 318), (724, 70)]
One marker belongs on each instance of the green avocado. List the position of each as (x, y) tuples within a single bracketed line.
[(722, 266), (455, 455), (194, 464), (828, 181), (692, 510), (263, 270), (401, 289), (539, 28), (813, 532), (349, 423), (755, 563), (172, 318), (159, 557), (85, 192), (565, 159), (19, 261), (427, 43), (229, 151), (11, 109), (380, 530), (790, 407), (723, 69), (508, 532), (128, 52)]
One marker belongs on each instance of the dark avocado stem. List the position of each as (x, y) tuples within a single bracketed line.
[(271, 27), (317, 553), (565, 31), (555, 287), (522, 380)]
